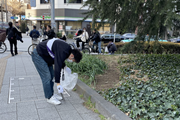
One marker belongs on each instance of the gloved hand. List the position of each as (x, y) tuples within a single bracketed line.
[(60, 89)]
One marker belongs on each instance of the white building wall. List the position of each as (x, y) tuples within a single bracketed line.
[(60, 4)]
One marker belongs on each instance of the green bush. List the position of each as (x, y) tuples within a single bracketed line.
[(88, 68), (59, 34), (156, 98), (70, 36), (135, 47)]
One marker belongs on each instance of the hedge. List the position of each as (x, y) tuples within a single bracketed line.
[(148, 47)]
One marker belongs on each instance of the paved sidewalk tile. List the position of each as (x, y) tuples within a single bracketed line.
[(70, 115), (48, 113), (8, 116)]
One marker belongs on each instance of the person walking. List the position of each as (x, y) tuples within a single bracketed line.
[(34, 34), (97, 39), (83, 38), (50, 32), (47, 53), (11, 32), (27, 29)]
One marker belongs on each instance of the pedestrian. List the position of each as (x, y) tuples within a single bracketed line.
[(11, 32), (97, 39), (83, 38), (44, 32), (17, 25), (50, 32), (111, 47), (27, 29), (40, 31), (34, 34), (53, 52)]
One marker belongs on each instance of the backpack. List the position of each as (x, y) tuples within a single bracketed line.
[(11, 35), (34, 35)]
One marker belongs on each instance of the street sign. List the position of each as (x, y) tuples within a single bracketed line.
[(45, 17), (15, 17), (12, 17)]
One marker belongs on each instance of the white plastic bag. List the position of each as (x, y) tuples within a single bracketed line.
[(70, 80), (106, 49)]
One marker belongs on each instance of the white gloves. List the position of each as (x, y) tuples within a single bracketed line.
[(60, 89)]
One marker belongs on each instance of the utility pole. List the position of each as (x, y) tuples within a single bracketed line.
[(6, 11), (2, 1), (53, 24)]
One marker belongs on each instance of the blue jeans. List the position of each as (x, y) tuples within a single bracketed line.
[(99, 45), (46, 73)]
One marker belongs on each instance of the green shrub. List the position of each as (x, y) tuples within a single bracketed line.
[(156, 98), (70, 36), (59, 34), (88, 68), (135, 47)]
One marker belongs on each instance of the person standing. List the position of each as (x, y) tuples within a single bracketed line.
[(34, 34), (82, 38), (53, 52), (11, 33), (50, 32), (97, 39)]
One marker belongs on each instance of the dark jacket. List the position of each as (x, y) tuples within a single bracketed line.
[(96, 37), (15, 32), (27, 29), (61, 51), (34, 30), (111, 47), (50, 34)]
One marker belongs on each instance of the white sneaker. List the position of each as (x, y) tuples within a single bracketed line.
[(57, 97), (53, 100)]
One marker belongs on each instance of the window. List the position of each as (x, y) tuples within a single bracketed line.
[(73, 1), (44, 1)]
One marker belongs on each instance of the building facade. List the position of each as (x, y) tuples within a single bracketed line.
[(68, 15)]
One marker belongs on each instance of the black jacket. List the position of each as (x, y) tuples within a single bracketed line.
[(16, 33), (50, 34), (96, 37), (61, 51)]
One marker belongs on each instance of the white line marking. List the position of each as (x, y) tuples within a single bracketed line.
[(21, 78)]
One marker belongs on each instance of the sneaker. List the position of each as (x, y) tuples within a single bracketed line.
[(57, 97), (53, 100)]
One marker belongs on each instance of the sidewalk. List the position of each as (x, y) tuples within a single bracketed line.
[(22, 96)]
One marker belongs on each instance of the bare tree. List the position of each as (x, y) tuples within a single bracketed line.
[(15, 7)]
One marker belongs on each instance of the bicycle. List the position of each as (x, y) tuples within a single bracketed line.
[(95, 49), (84, 50), (33, 45), (3, 47)]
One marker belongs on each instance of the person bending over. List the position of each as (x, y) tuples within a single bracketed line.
[(47, 53)]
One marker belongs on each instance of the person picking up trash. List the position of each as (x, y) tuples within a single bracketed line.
[(54, 51)]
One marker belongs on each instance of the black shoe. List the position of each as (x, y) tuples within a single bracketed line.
[(16, 54), (12, 54)]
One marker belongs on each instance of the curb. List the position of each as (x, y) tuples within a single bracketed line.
[(104, 107)]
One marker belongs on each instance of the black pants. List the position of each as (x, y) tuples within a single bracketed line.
[(77, 43), (13, 42)]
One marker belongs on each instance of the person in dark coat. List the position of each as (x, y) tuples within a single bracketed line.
[(111, 47), (27, 29), (11, 32), (50, 32), (97, 39)]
